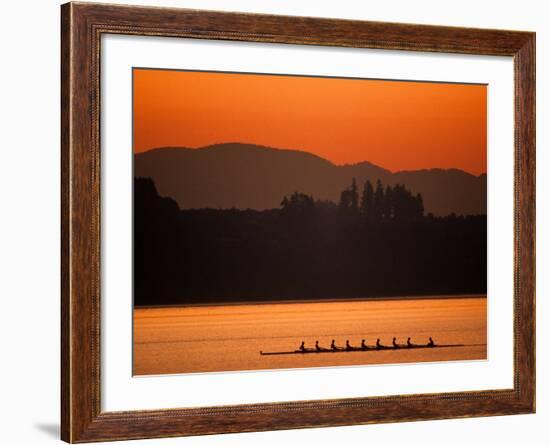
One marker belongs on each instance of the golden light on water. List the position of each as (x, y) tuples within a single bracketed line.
[(229, 338)]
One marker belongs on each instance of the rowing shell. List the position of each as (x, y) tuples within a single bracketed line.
[(368, 349)]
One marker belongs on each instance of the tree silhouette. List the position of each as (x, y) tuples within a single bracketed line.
[(419, 205), (299, 207), (298, 203), (345, 200), (378, 205), (405, 206), (367, 200), (349, 199), (399, 202), (354, 196), (387, 204)]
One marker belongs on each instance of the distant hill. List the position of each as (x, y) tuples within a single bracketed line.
[(257, 177)]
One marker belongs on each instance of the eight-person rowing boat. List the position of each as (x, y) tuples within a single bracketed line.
[(302, 349)]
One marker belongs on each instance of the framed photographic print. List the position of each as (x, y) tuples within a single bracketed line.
[(276, 222)]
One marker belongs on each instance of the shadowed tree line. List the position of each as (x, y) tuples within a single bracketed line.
[(376, 242), (375, 205)]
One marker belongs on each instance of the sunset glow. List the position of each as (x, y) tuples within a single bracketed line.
[(394, 124)]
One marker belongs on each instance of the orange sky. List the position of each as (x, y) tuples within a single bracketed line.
[(396, 125)]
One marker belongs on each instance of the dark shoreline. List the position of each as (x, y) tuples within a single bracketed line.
[(333, 300)]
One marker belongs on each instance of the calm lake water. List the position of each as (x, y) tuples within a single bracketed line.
[(229, 338)]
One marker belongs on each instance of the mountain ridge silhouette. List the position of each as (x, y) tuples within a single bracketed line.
[(239, 175)]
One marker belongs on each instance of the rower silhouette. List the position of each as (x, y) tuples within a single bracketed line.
[(303, 347), (333, 345), (348, 346), (363, 344), (409, 344), (431, 343), (317, 345), (378, 345), (395, 345)]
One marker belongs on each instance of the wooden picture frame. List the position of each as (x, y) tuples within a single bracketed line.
[(82, 25)]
